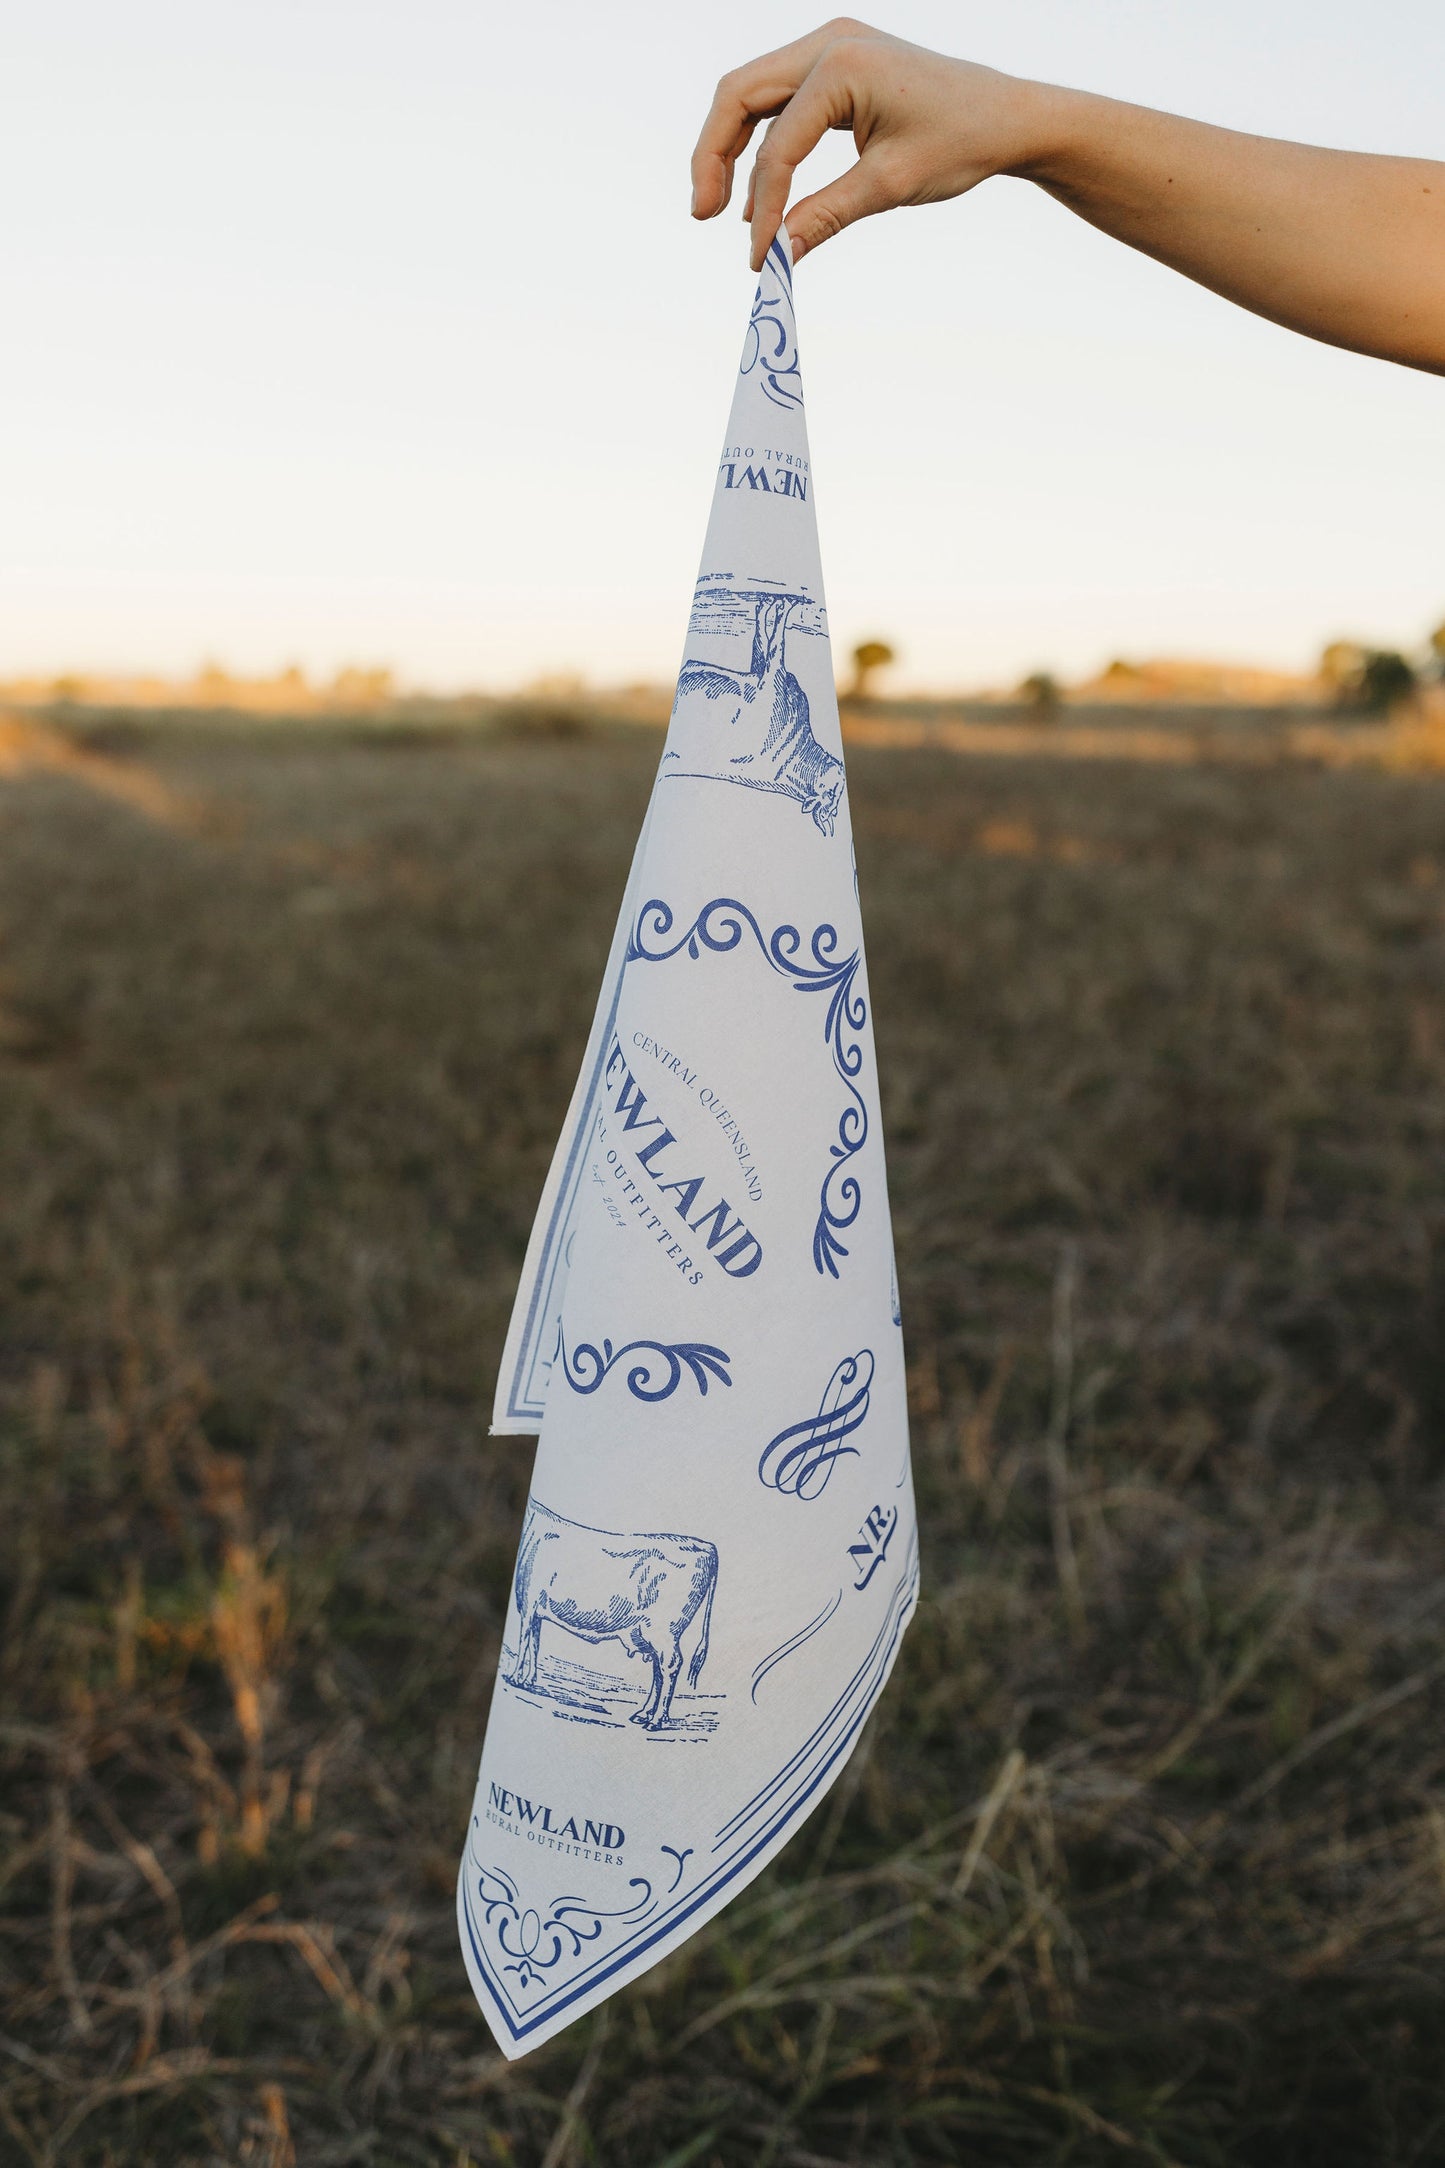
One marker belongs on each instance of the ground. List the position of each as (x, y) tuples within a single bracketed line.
[(1143, 1856)]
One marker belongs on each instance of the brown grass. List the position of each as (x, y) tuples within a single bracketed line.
[(1143, 1857)]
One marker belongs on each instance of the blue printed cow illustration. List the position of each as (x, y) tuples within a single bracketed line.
[(753, 727), (642, 1590)]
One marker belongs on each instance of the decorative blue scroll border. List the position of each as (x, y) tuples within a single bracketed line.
[(532, 1941), (587, 1366), (719, 926), (808, 1771)]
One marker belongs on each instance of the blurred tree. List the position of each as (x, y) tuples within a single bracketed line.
[(869, 656), (1372, 679), (1437, 648), (1041, 690), (1386, 678)]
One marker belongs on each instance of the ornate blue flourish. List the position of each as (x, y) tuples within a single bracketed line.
[(682, 1857), (586, 1366), (801, 1458), (772, 343), (720, 926), (533, 1941)]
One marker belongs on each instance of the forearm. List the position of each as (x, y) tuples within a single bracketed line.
[(1344, 246)]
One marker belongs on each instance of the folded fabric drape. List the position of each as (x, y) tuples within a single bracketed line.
[(719, 1554)]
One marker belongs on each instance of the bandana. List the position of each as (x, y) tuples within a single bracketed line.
[(719, 1554)]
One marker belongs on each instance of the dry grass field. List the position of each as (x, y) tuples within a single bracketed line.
[(1143, 1856)]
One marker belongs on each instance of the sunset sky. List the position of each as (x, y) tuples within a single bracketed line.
[(379, 333)]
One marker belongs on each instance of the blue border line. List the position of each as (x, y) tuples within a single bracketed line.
[(517, 1405), (728, 1873), (902, 1598), (746, 1812), (571, 1180)]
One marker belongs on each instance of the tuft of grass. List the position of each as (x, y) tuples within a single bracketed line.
[(1143, 1856)]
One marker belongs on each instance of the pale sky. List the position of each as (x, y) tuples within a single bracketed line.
[(361, 331)]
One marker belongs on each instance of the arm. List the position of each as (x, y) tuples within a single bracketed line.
[(1343, 246)]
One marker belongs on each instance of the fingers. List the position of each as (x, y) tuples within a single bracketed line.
[(859, 193), (820, 103), (725, 136), (743, 98)]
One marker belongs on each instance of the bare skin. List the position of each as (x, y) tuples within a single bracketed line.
[(1340, 245)]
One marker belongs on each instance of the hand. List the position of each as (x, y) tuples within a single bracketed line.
[(1340, 245), (925, 128)]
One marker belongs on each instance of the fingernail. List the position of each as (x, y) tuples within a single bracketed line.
[(694, 203), (799, 247)]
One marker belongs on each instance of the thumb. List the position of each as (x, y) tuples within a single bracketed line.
[(858, 193)]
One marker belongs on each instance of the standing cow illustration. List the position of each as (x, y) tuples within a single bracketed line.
[(642, 1590), (753, 727)]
